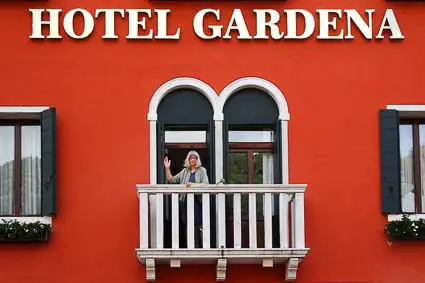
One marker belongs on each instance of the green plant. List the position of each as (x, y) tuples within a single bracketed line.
[(14, 230), (405, 228)]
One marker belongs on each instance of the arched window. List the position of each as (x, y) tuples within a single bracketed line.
[(181, 119), (185, 122), (254, 145)]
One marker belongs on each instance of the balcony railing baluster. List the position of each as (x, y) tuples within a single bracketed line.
[(237, 234), (252, 221), (175, 237), (206, 221), (144, 220), (268, 231), (190, 221), (159, 220), (283, 220)]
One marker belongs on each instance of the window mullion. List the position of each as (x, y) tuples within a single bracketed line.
[(417, 167)]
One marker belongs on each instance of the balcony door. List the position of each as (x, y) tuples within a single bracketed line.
[(185, 123), (252, 154)]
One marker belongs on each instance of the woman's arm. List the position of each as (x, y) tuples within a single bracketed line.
[(167, 164), (170, 178), (168, 174)]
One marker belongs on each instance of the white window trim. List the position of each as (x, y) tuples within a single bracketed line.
[(25, 109), (260, 84), (406, 109), (28, 219), (217, 103)]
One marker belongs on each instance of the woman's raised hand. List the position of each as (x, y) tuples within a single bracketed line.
[(167, 163)]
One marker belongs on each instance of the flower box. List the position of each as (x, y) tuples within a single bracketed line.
[(16, 232), (405, 229), (24, 238)]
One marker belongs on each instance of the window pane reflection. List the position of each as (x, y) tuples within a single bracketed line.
[(238, 168), (7, 151), (250, 136), (185, 136), (31, 170), (406, 168)]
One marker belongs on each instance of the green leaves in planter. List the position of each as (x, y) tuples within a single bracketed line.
[(13, 230), (405, 228)]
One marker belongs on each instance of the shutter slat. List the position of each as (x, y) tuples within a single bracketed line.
[(48, 162), (390, 161)]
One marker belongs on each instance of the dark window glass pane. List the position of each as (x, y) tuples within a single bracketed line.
[(406, 166), (7, 156), (238, 174), (258, 168), (238, 168), (31, 170)]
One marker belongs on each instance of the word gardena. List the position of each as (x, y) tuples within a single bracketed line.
[(266, 19)]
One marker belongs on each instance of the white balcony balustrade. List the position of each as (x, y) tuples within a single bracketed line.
[(270, 230)]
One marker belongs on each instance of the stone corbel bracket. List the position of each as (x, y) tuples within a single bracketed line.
[(221, 269), (291, 269), (150, 269)]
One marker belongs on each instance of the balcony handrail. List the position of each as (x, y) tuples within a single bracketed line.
[(227, 189)]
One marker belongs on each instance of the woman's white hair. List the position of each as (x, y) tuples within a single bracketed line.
[(198, 159)]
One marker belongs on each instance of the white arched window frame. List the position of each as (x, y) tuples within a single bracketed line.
[(160, 93), (274, 92), (217, 102)]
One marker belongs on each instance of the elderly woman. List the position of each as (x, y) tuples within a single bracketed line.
[(193, 172)]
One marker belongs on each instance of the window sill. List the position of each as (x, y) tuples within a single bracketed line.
[(29, 219), (413, 216)]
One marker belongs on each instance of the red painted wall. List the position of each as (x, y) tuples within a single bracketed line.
[(102, 89)]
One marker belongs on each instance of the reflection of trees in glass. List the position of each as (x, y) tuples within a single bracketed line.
[(238, 168), (258, 168), (238, 173)]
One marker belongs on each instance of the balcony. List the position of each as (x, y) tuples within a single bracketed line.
[(270, 230)]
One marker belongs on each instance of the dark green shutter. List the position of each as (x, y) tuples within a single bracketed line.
[(277, 153), (390, 161), (277, 160), (211, 152), (160, 152), (226, 149), (48, 162)]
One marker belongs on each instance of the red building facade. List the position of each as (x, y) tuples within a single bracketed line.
[(114, 100)]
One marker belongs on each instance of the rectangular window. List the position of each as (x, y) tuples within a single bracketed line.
[(20, 173), (412, 165)]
